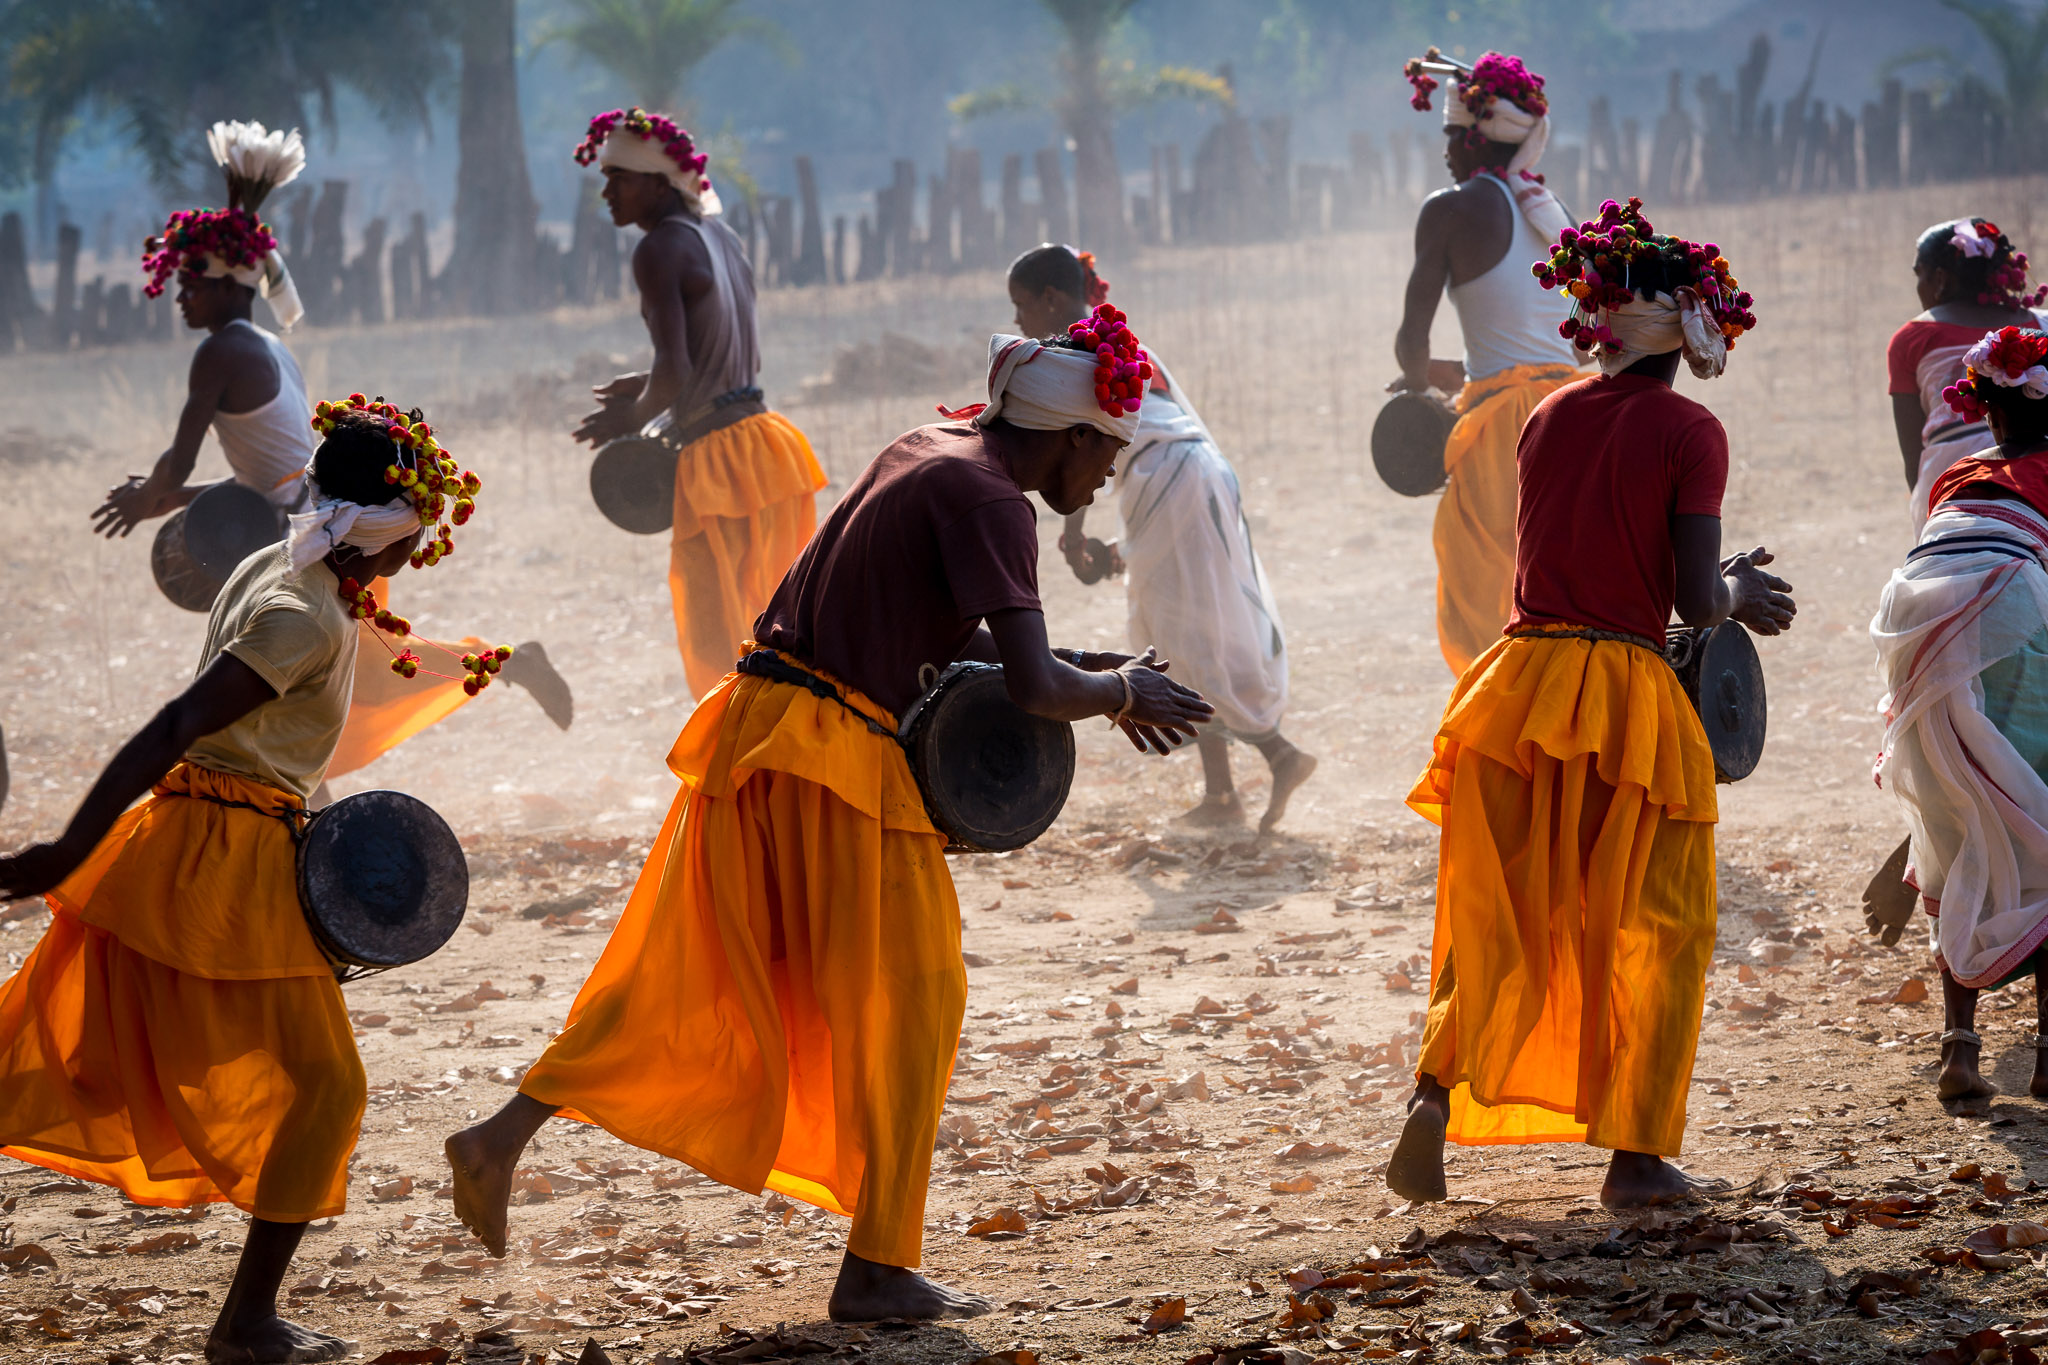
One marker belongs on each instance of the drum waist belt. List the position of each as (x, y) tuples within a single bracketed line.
[(728, 409), (765, 663), (294, 817), (1589, 633)]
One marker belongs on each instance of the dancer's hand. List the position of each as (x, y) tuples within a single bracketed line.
[(1163, 715), (607, 423), (1763, 601), (130, 504), (37, 869)]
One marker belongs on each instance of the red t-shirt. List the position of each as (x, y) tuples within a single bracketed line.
[(933, 535), (2025, 478), (1910, 345), (1603, 466)]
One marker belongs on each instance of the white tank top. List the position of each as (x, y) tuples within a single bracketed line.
[(1507, 318), (732, 349), (268, 448)]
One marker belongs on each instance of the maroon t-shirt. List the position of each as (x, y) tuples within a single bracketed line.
[(933, 536), (1602, 467)]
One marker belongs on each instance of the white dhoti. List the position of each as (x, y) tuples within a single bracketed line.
[(1197, 591), (1962, 643)]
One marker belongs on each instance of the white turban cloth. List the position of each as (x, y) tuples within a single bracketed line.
[(1046, 388), (629, 151), (334, 522), (1528, 134), (1655, 326), (269, 278)]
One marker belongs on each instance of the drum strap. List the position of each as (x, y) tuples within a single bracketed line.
[(1586, 633), (295, 817), (764, 663)]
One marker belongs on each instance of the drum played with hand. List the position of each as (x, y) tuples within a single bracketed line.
[(383, 881), (201, 543), (1408, 439), (994, 776), (1719, 669), (633, 482)]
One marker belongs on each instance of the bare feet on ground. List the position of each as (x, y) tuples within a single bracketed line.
[(1636, 1180), (530, 668), (483, 1185), (868, 1291), (1216, 812), (1289, 773), (1961, 1080), (1416, 1170), (272, 1341)]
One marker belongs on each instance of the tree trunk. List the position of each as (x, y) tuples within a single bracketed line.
[(1098, 189), (491, 270)]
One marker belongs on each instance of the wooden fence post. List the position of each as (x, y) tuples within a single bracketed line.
[(809, 267), (1052, 197), (20, 318), (64, 306)]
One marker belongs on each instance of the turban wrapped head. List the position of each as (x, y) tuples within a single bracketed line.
[(635, 140)]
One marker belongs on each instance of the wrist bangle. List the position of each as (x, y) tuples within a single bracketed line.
[(1076, 658), (1122, 713)]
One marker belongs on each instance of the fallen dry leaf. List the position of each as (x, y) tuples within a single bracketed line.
[(1911, 991), (1300, 1184), (384, 1191), (1004, 1222), (169, 1241), (2006, 1237), (1167, 1315)]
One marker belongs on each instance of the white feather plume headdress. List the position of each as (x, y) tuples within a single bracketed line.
[(255, 160)]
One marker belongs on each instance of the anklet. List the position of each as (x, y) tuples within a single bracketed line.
[(2040, 1040), (1963, 1035)]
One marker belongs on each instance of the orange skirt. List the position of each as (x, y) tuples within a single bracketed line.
[(780, 1003), (1475, 521), (745, 508), (1575, 897), (388, 710), (176, 1034)]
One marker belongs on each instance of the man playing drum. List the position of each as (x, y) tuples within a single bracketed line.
[(176, 1033), (745, 476), (1571, 775), (1476, 241), (1198, 593), (245, 386), (780, 1004), (1962, 644)]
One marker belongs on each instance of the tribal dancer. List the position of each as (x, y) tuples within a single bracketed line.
[(1962, 643), (1575, 892), (176, 1033), (745, 476), (781, 1001), (1970, 279), (1476, 241), (1198, 594), (247, 387)]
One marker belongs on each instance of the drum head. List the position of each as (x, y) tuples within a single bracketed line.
[(177, 573), (382, 879), (633, 480), (1408, 443), (1731, 700), (226, 524), (994, 776)]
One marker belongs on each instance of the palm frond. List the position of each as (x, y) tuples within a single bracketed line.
[(996, 99), (1131, 89)]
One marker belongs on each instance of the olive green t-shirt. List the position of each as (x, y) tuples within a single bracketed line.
[(299, 637)]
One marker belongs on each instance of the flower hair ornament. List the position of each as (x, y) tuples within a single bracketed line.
[(233, 242), (1595, 264), (1978, 239), (1122, 369), (1098, 288), (430, 491), (2009, 358), (635, 140)]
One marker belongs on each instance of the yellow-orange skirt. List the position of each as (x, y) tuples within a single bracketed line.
[(388, 710), (1475, 521), (176, 1034), (780, 1003), (745, 508), (1575, 896)]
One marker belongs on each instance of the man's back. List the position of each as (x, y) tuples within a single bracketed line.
[(1603, 465)]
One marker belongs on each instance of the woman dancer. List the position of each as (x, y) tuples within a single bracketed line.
[(1970, 279)]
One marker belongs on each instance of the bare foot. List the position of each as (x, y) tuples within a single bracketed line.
[(272, 1341), (1289, 773), (530, 668), (1961, 1080), (2038, 1087), (1636, 1180), (1220, 811), (868, 1291), (1416, 1169), (483, 1185)]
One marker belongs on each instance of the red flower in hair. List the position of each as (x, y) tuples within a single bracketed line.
[(1098, 288), (2016, 351)]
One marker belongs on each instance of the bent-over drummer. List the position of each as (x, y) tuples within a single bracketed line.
[(1575, 904), (176, 1033), (781, 1001), (1475, 242)]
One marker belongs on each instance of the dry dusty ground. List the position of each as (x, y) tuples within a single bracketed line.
[(1185, 1055)]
